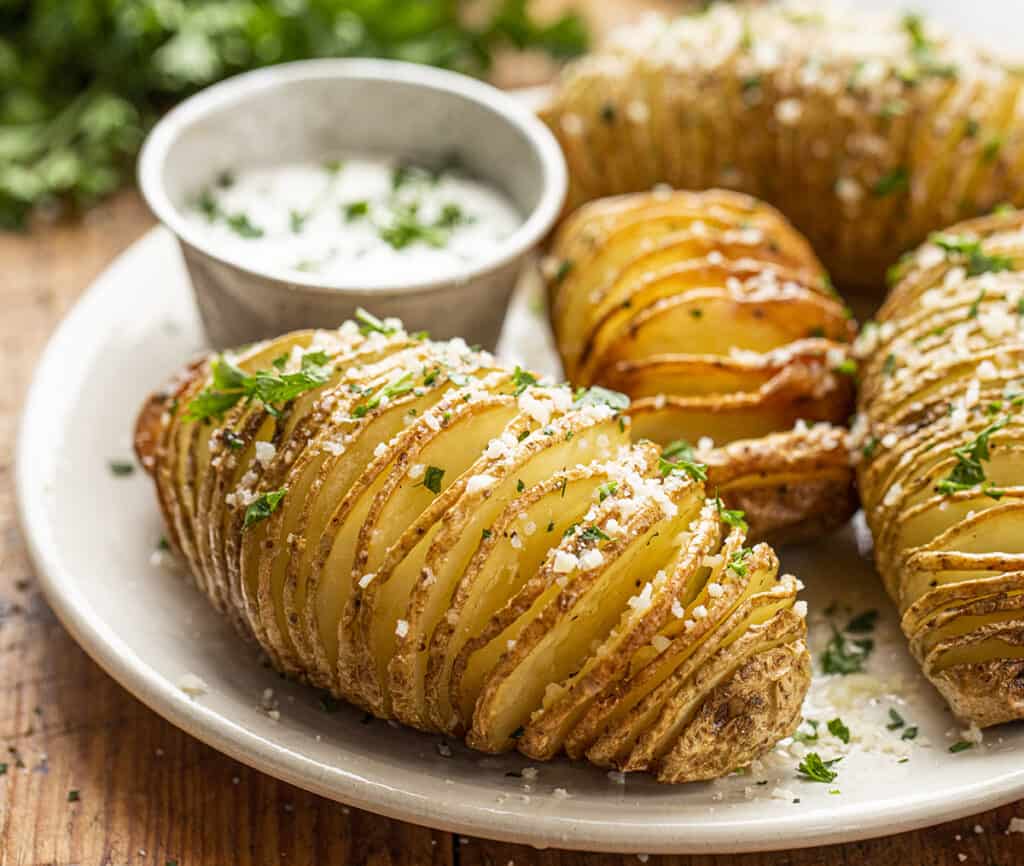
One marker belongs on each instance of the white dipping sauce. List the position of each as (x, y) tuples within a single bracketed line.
[(363, 220)]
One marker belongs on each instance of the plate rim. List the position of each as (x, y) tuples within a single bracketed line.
[(41, 411)]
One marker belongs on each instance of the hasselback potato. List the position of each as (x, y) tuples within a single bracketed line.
[(714, 315), (867, 130), (451, 543), (941, 473)]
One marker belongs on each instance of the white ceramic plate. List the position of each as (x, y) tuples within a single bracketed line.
[(93, 536)]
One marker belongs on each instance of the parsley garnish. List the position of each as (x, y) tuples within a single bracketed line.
[(432, 479), (889, 366), (735, 517), (564, 267), (894, 181), (595, 395), (869, 447), (370, 324), (845, 656), (814, 769), (737, 561), (121, 468), (838, 729), (968, 471), (74, 796), (896, 722), (263, 506), (240, 224), (400, 386), (607, 489), (961, 746), (522, 379), (594, 533), (978, 261), (679, 456), (909, 733), (848, 367), (356, 210), (231, 384)]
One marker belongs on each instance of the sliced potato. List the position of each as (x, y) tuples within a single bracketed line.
[(941, 439), (867, 130), (713, 314), (459, 546)]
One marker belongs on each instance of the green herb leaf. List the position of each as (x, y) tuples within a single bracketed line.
[(370, 324), (594, 533), (838, 729), (356, 210), (595, 395), (737, 561), (814, 769), (896, 720), (961, 746), (734, 517), (909, 733), (121, 468), (263, 506), (521, 380), (863, 623), (844, 656), (895, 181), (432, 479), (607, 489)]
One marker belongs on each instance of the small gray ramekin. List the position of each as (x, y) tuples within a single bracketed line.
[(318, 108)]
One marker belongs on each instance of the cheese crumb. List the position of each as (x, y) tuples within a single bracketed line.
[(192, 685), (402, 628)]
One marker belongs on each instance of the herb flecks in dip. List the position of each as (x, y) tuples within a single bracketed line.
[(365, 220)]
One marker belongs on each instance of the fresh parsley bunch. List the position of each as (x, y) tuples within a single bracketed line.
[(82, 80)]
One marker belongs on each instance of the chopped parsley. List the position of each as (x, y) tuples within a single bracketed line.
[(485, 534), (909, 733), (595, 395), (892, 182), (968, 471), (121, 468), (845, 656), (837, 728), (370, 324), (813, 769), (400, 386), (272, 388), (356, 210), (869, 447), (960, 746), (896, 720), (432, 479), (970, 250), (232, 440), (263, 506), (594, 533), (735, 517), (607, 489), (738, 561), (847, 367), (564, 267), (240, 224), (889, 365), (522, 379), (74, 796), (679, 456)]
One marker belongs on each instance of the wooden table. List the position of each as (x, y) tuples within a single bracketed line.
[(92, 777)]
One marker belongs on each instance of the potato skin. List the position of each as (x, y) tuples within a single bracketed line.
[(713, 313), (941, 469), (242, 486), (867, 130)]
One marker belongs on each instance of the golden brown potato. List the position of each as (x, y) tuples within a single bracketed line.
[(941, 475), (456, 545), (867, 130), (714, 315)]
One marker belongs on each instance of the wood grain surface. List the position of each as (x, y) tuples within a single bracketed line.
[(90, 776)]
